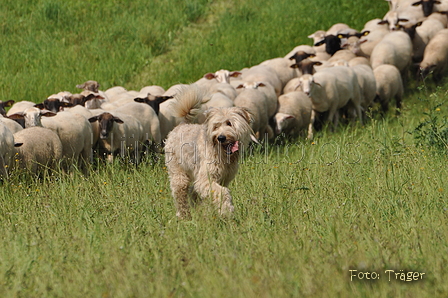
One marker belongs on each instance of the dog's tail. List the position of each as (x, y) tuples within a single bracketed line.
[(189, 101)]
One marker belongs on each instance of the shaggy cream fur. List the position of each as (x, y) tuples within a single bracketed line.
[(205, 155)]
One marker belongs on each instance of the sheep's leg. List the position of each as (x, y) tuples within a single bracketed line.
[(311, 125)]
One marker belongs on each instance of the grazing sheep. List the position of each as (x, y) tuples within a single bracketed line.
[(148, 118), (282, 69), (389, 85), (153, 101), (396, 49), (114, 93), (222, 76), (269, 92), (255, 102), (305, 48), (75, 133), (12, 125), (294, 113), (41, 149), (19, 107), (421, 33), (87, 113), (120, 134), (53, 105), (265, 74), (435, 57), (6, 149), (330, 89)]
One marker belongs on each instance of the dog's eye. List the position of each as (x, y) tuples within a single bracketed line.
[(229, 123)]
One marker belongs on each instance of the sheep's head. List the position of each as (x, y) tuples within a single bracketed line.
[(153, 101), (106, 122), (32, 116)]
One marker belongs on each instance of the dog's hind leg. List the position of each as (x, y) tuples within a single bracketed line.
[(179, 184)]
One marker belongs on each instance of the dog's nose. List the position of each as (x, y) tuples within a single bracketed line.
[(221, 138)]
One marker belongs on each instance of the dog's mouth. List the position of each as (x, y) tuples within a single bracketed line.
[(231, 148)]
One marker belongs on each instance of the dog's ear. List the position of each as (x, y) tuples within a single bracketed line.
[(246, 114)]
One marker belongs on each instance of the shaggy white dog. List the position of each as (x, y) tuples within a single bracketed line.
[(205, 155)]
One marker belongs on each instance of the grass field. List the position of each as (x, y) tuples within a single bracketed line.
[(370, 198)]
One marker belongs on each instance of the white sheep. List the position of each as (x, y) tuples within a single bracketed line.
[(75, 133), (114, 93), (255, 101), (269, 92), (265, 74), (396, 49), (282, 69), (73, 130), (294, 113), (435, 57), (389, 85), (41, 149), (12, 125), (305, 48), (87, 113), (153, 89), (20, 106), (373, 33), (120, 134), (421, 33), (148, 119), (6, 149), (330, 89)]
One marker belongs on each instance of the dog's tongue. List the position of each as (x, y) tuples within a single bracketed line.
[(234, 147)]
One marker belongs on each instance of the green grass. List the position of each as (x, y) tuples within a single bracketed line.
[(366, 198)]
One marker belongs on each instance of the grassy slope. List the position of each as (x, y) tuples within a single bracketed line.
[(362, 198)]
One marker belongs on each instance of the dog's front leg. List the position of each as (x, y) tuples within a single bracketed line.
[(220, 194)]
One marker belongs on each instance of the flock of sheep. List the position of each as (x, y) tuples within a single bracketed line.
[(340, 77)]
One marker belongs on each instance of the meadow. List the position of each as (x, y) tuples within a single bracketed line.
[(370, 198)]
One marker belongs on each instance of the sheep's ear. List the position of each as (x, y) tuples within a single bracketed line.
[(311, 55), (292, 57), (363, 41), (209, 76), (8, 103), (161, 99), (261, 84), (365, 33), (342, 35), (66, 104), (235, 74), (48, 114), (81, 86), (383, 22), (18, 144), (240, 86), (93, 119), (139, 99), (318, 63), (417, 3), (118, 120), (418, 24), (17, 116), (317, 84), (295, 65), (344, 45), (403, 20), (319, 43), (40, 106)]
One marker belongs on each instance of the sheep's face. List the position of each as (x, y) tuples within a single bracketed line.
[(306, 82), (106, 123), (281, 121)]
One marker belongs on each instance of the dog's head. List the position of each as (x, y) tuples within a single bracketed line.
[(229, 127)]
